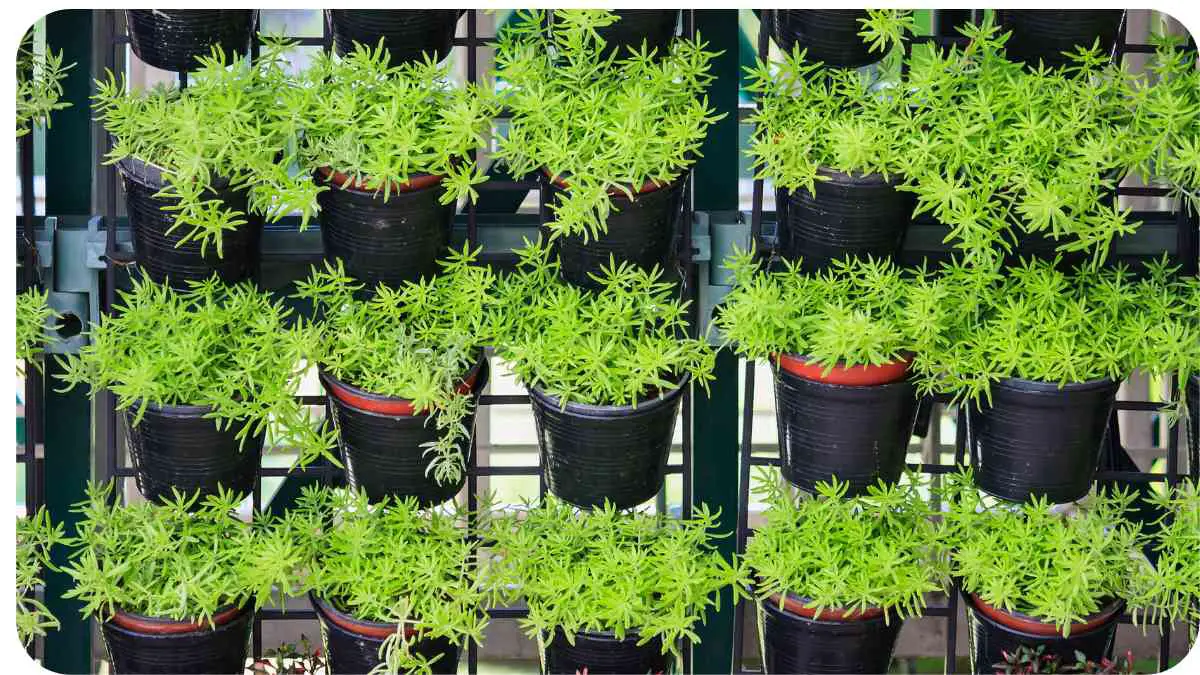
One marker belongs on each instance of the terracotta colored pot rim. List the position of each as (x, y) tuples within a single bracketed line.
[(417, 181), (859, 376), (797, 606), (1029, 624), (160, 626), (647, 187), (386, 405), (370, 629)]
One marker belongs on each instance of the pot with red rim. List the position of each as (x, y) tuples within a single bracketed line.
[(851, 422), (142, 644), (839, 641), (382, 440), (353, 644), (994, 631), (384, 239)]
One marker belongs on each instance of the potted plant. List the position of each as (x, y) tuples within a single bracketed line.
[(608, 591), (39, 85), (407, 34), (396, 588), (841, 344), (1029, 660), (403, 371), (175, 585), (834, 37), (606, 372), (1167, 591), (202, 167), (614, 136), (1048, 36), (173, 39), (629, 29), (834, 577), (36, 536), (200, 375)]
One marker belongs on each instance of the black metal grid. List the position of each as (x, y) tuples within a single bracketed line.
[(115, 259), (1187, 254)]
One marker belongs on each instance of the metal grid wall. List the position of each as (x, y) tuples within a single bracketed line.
[(1187, 254)]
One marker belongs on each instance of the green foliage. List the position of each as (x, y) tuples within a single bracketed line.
[(618, 346), (1026, 660), (39, 85), (602, 124), (606, 570), (417, 342), (32, 315), (856, 312), (391, 563), (1170, 589), (227, 347), (1034, 558), (182, 560), (36, 536), (881, 549)]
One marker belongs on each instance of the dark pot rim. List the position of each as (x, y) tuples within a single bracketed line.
[(648, 187), (857, 178), (858, 375), (188, 410), (154, 625), (589, 410), (796, 606), (380, 404), (1041, 386), (149, 175), (372, 629), (337, 180), (1024, 623), (631, 636)]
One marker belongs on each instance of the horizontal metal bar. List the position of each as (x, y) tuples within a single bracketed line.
[(503, 399), (1131, 476), (1144, 406)]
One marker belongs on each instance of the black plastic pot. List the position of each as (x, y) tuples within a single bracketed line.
[(383, 452), (591, 453), (847, 215), (204, 650), (830, 35), (640, 231), (352, 645), (1037, 439), (1042, 35), (990, 639), (1193, 404), (799, 644), (655, 27), (176, 447), (858, 433), (389, 242), (159, 254), (603, 654), (408, 34), (171, 39)]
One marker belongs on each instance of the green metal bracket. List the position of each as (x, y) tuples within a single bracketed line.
[(71, 257), (714, 236)]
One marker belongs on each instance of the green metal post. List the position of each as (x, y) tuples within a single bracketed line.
[(68, 428), (715, 417)]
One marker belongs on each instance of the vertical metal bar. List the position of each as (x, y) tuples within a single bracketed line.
[(33, 376), (472, 77)]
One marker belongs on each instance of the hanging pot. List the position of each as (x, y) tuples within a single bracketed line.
[(655, 27), (390, 242), (601, 653), (640, 231), (1037, 439), (1193, 406), (382, 441), (847, 215), (352, 645), (853, 423), (837, 642), (171, 39), (157, 249), (992, 632), (408, 34), (139, 644), (175, 447), (1042, 35), (593, 453), (830, 35)]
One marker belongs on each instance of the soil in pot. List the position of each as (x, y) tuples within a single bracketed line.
[(992, 632), (591, 453), (1037, 439), (852, 423), (847, 215), (171, 39), (352, 645), (158, 251), (1042, 35), (641, 231), (385, 241), (603, 654), (139, 644), (408, 34), (382, 441), (830, 35), (837, 642), (177, 447)]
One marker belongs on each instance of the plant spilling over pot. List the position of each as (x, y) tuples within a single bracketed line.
[(600, 125), (630, 576), (33, 313), (39, 85), (416, 343), (229, 349), (843, 38), (389, 567), (1010, 159), (36, 536), (1170, 592)]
